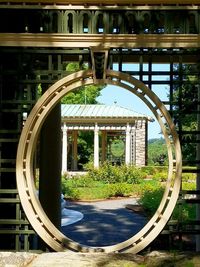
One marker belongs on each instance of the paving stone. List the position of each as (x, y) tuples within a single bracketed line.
[(61, 259), (16, 259)]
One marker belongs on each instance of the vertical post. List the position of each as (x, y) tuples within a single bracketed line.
[(128, 142), (75, 150), (146, 142), (50, 166), (64, 149), (104, 145), (96, 146), (198, 167)]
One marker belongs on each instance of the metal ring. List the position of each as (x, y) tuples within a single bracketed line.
[(27, 143)]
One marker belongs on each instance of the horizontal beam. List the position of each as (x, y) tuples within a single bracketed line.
[(100, 40), (108, 2), (92, 6), (92, 128)]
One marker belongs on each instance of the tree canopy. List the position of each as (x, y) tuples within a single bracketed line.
[(84, 94), (185, 97), (157, 152)]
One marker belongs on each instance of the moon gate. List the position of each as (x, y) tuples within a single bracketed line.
[(25, 154)]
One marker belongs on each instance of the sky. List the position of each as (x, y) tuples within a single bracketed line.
[(120, 96)]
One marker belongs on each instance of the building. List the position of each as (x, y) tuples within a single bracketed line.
[(121, 132)]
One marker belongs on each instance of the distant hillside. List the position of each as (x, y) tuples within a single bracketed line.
[(157, 151)]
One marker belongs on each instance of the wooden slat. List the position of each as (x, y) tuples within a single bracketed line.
[(8, 170), (192, 192), (8, 191), (16, 232), (13, 221), (8, 140), (9, 200)]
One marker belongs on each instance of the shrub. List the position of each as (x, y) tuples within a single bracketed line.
[(184, 212), (150, 198), (68, 189), (116, 174), (120, 190), (161, 176), (188, 177)]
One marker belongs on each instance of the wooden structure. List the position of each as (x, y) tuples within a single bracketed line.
[(108, 122), (35, 47)]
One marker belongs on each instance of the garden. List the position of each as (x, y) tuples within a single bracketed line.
[(146, 183)]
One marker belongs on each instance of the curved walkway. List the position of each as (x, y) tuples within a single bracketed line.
[(104, 223)]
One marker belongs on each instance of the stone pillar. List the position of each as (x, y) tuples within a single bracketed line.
[(64, 149), (75, 150), (96, 146), (104, 145), (128, 144), (140, 143)]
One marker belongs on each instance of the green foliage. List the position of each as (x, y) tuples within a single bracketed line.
[(84, 94), (80, 181), (188, 185), (105, 182), (186, 95), (185, 211), (39, 90), (157, 152), (154, 172), (122, 181), (188, 177), (85, 147), (108, 173), (83, 188), (120, 190), (161, 176), (151, 197)]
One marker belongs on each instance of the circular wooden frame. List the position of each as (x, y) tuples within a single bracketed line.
[(24, 168)]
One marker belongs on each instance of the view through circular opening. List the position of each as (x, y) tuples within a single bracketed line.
[(40, 222)]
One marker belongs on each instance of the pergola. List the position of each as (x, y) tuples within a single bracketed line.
[(105, 119), (35, 46)]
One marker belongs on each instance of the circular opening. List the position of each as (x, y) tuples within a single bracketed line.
[(25, 180)]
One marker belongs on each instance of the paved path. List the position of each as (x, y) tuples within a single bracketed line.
[(104, 223)]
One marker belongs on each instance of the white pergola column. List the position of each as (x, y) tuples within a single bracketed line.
[(104, 145), (96, 146), (74, 151), (64, 149), (133, 146), (128, 145)]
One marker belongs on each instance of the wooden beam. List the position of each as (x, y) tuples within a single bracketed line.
[(107, 2), (93, 6), (100, 40)]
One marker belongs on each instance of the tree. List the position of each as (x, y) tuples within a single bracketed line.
[(157, 152), (84, 94), (185, 97)]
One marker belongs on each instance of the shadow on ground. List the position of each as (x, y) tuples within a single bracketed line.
[(103, 223)]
